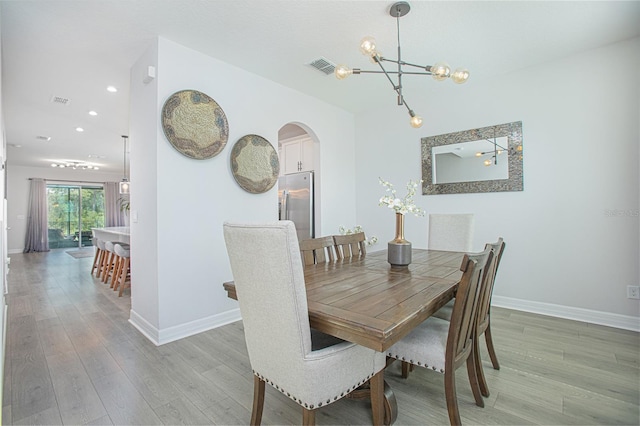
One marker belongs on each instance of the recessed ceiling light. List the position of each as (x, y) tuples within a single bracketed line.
[(112, 89), (79, 129), (15, 145), (93, 113), (43, 138)]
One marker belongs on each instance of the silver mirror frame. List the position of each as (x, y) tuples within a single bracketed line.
[(513, 132)]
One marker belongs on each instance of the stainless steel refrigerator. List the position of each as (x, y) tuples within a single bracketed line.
[(295, 202)]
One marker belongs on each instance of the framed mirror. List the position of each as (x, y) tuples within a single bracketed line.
[(488, 159)]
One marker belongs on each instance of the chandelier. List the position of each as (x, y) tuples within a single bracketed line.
[(125, 185), (497, 150), (439, 71), (75, 165)]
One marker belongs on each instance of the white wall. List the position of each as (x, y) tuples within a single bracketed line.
[(18, 195), (572, 235), (182, 203)]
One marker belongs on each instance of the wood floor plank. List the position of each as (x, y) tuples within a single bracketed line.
[(181, 412), (31, 388), (152, 383), (77, 399), (227, 411), (598, 411), (124, 404), (97, 361), (50, 416), (53, 337)]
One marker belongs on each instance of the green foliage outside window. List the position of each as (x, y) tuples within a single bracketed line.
[(63, 203)]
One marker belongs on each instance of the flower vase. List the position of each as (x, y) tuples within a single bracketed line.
[(399, 249)]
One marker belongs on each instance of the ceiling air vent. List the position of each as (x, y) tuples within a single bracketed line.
[(60, 100), (43, 138), (323, 65)]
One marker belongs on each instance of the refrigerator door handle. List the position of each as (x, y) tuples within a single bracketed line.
[(285, 204)]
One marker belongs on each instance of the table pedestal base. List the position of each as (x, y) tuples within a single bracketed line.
[(390, 403)]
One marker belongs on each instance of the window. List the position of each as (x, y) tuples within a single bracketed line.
[(72, 212)]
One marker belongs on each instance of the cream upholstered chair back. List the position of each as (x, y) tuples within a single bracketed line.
[(268, 273), (451, 232), (269, 279)]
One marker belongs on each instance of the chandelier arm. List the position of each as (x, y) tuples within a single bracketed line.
[(359, 71), (388, 77), (396, 88), (427, 68)]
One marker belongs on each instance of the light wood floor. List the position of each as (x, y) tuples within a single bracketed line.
[(73, 358)]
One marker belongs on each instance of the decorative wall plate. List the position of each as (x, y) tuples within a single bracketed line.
[(195, 124), (254, 164)]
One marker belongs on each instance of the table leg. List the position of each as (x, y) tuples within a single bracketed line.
[(390, 405)]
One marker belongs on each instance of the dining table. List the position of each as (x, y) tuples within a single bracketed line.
[(367, 301)]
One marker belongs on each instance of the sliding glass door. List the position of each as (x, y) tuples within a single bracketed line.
[(72, 211)]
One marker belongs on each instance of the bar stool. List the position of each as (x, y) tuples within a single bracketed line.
[(102, 261), (111, 262), (96, 258), (123, 251)]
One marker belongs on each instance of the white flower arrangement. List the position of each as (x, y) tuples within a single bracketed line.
[(401, 205), (345, 231)]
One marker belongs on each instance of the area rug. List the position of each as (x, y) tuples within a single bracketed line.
[(89, 252)]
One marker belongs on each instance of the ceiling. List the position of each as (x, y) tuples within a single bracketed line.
[(75, 49)]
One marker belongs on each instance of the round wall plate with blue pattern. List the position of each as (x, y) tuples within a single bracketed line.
[(255, 164), (195, 124)]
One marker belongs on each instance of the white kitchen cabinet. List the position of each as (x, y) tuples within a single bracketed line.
[(296, 155)]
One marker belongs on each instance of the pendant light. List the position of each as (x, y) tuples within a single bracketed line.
[(125, 184)]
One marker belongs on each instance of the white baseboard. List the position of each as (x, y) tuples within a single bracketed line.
[(170, 334), (14, 251), (625, 322)]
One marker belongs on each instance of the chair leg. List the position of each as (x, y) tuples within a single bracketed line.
[(477, 361), (405, 369), (123, 275), (308, 417), (108, 268), (95, 261), (376, 384), (473, 379), (452, 399), (258, 401), (116, 273), (490, 348), (101, 263)]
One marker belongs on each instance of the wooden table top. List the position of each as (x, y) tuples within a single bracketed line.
[(366, 301)]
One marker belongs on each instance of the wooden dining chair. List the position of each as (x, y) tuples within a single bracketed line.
[(350, 245), (484, 314), (269, 281), (444, 346), (317, 250), (451, 232)]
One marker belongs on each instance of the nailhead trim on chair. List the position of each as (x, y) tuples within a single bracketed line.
[(419, 364), (306, 404)]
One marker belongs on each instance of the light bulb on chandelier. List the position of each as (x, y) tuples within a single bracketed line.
[(439, 71)]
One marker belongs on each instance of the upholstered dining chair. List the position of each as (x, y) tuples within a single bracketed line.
[(269, 279), (451, 232), (484, 314), (350, 245), (444, 346), (317, 250)]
